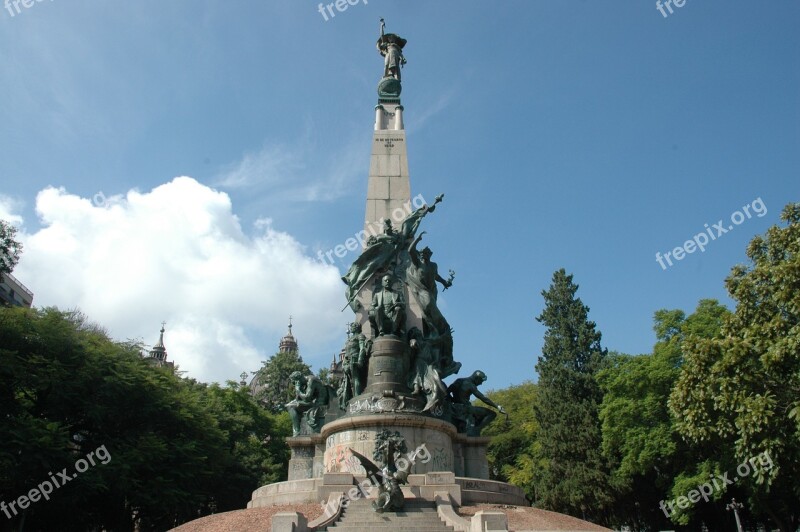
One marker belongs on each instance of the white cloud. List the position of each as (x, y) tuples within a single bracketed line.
[(178, 253), (285, 170), (8, 206), (270, 165)]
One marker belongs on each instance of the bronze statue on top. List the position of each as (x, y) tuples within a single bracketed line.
[(390, 47)]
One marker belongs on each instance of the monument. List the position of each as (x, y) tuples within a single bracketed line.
[(400, 348)]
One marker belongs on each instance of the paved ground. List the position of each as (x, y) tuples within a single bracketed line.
[(526, 518), (250, 520), (259, 519)]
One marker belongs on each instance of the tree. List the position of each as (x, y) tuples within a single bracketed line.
[(573, 477), (639, 436), (257, 452), (10, 248), (743, 390), (325, 375), (177, 449), (510, 451), (272, 381)]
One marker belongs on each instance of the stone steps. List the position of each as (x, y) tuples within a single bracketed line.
[(416, 516)]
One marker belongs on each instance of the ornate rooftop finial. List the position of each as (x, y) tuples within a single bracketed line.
[(161, 336), (288, 343), (159, 352)]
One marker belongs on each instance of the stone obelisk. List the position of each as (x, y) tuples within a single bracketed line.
[(389, 189)]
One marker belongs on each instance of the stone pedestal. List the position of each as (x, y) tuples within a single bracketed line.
[(431, 438), (440, 460), (306, 458), (420, 486), (473, 452)]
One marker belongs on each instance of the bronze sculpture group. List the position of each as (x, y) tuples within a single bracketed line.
[(392, 260)]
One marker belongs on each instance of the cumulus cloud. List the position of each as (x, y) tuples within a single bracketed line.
[(8, 206), (178, 253)]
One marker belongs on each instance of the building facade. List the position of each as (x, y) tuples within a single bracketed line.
[(13, 293)]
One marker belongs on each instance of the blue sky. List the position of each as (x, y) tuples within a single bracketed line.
[(573, 134)]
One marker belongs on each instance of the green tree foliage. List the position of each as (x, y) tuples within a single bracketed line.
[(325, 375), (639, 437), (572, 477), (743, 389), (510, 450), (255, 444), (177, 448), (272, 380), (10, 248)]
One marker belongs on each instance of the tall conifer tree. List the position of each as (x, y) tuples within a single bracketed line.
[(572, 477)]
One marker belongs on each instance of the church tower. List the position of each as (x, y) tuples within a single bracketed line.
[(158, 354), (288, 342)]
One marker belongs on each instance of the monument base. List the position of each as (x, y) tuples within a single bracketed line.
[(461, 490), (439, 459)]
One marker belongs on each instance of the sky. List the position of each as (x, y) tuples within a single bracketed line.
[(187, 161)]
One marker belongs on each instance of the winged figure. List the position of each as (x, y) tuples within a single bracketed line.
[(387, 479)]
